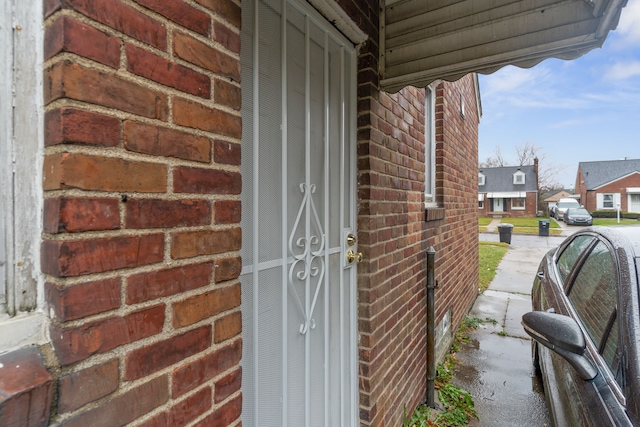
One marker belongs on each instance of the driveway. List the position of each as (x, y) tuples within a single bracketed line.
[(568, 230), (495, 367)]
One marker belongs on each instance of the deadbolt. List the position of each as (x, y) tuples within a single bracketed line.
[(351, 239)]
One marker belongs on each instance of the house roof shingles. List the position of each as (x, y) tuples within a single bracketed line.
[(596, 174), (501, 179)]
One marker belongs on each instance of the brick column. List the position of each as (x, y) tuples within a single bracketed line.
[(142, 210)]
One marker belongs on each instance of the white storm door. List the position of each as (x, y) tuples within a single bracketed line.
[(497, 205), (299, 362)]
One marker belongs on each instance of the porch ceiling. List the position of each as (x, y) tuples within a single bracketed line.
[(422, 41)]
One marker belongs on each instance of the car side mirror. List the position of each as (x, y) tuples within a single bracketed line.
[(562, 335)]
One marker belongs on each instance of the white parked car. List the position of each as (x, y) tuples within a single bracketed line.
[(562, 206)]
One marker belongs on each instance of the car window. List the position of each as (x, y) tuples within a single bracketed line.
[(594, 296), (570, 255), (568, 204), (610, 352)]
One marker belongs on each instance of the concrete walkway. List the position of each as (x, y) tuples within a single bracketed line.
[(496, 369)]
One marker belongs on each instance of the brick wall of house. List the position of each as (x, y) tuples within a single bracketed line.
[(532, 205), (581, 190), (455, 239), (589, 198), (141, 214), (394, 237), (394, 232), (530, 209)]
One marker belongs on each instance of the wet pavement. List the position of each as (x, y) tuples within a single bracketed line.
[(495, 367)]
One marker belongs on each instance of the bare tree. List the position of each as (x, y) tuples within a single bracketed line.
[(547, 171), (526, 154), (495, 161)]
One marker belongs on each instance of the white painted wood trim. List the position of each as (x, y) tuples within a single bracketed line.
[(6, 148), (21, 156)]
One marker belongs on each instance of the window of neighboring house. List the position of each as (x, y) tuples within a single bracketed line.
[(518, 203), (480, 204), (430, 147), (518, 177), (21, 142), (481, 179), (607, 201)]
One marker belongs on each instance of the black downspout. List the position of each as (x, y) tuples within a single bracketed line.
[(431, 341)]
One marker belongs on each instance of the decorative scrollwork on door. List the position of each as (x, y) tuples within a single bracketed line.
[(307, 252)]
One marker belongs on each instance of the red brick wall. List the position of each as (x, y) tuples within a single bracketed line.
[(455, 238), (394, 235), (530, 209), (589, 198), (581, 190), (142, 211)]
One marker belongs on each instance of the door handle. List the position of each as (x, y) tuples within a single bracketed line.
[(352, 256)]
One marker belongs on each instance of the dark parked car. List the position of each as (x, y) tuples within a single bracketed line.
[(586, 328), (562, 205), (577, 216)]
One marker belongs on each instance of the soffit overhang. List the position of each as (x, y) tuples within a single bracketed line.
[(426, 40)]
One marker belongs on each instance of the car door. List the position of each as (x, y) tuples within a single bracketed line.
[(588, 278)]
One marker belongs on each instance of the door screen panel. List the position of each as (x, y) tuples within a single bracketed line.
[(298, 201)]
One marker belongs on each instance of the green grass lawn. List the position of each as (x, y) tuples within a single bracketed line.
[(483, 221), (532, 230), (529, 222), (521, 225), (489, 256), (614, 221), (531, 225)]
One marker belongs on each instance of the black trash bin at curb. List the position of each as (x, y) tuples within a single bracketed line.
[(543, 227), (505, 232)]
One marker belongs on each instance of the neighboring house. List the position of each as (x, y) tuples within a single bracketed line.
[(609, 184), (508, 191), (208, 223), (550, 199)]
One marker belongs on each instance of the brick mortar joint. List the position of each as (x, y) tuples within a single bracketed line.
[(75, 193), (121, 390), (149, 84), (167, 23), (121, 352), (125, 116), (149, 268), (166, 301), (121, 153)]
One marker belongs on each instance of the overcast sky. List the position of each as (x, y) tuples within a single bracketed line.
[(586, 109)]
